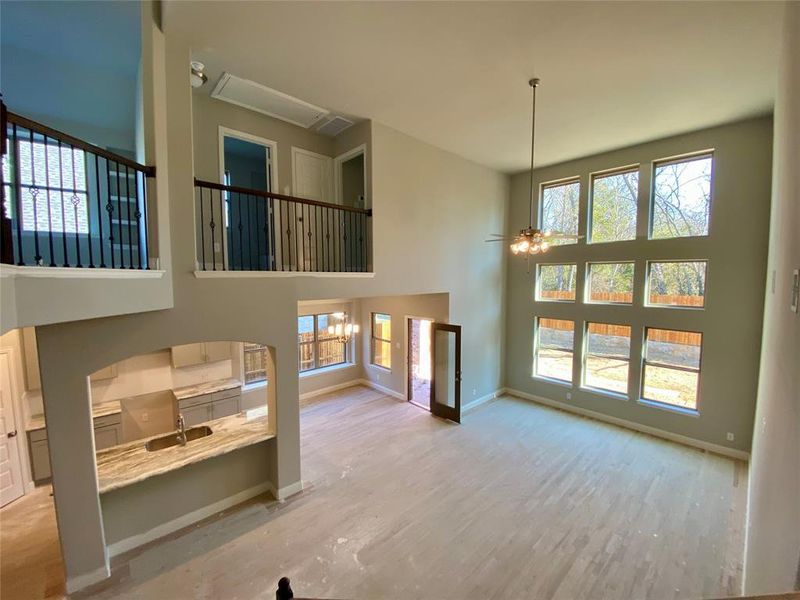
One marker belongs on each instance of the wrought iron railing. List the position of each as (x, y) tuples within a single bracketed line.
[(68, 203), (241, 229)]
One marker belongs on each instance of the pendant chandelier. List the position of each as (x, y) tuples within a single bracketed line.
[(531, 240), (343, 330)]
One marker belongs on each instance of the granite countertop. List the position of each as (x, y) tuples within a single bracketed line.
[(130, 463), (101, 409), (198, 389)]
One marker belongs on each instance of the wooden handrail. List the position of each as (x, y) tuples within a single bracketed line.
[(249, 192), (37, 127)]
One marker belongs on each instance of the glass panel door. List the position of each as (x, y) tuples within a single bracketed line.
[(445, 395)]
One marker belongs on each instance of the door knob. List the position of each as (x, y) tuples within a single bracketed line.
[(12, 434)]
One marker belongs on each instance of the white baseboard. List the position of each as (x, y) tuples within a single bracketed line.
[(330, 388), (380, 388), (184, 520), (673, 437), (470, 406), (287, 490), (81, 581)]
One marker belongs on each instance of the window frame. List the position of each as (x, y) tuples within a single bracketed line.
[(660, 403), (557, 183), (633, 168), (587, 283), (586, 354), (536, 345), (680, 158), (315, 345), (537, 287), (646, 299), (263, 348), (373, 338)]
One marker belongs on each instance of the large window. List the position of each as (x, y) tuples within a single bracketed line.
[(676, 283), (52, 185), (381, 340), (553, 349), (613, 206), (255, 363), (671, 372), (681, 197), (319, 346), (559, 208), (610, 283), (608, 352), (555, 282)]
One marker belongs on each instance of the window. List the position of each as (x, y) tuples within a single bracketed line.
[(613, 206), (319, 346), (610, 283), (53, 187), (675, 283), (681, 197), (552, 357), (381, 350), (559, 208), (255, 363), (672, 367), (555, 282), (608, 352)]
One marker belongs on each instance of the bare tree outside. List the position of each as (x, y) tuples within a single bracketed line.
[(560, 209), (614, 207), (682, 198)]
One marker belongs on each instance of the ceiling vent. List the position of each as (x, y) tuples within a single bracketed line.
[(260, 98), (334, 126)]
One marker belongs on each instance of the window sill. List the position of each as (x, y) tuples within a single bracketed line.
[(604, 393), (254, 386), (324, 370), (279, 274), (689, 412), (14, 272), (380, 368), (561, 382)]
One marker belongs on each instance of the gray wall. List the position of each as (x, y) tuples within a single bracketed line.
[(772, 561), (731, 321)]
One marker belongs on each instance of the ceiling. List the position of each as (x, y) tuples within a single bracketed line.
[(455, 74)]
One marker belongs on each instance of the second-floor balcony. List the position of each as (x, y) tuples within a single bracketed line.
[(241, 229)]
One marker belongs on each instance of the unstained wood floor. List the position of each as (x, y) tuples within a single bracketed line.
[(520, 501)]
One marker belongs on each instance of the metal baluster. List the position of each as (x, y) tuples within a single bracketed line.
[(202, 230), (99, 210), (138, 215), (18, 196), (61, 197), (256, 226), (119, 218), (223, 230), (75, 201), (128, 211), (212, 226), (89, 236), (271, 224), (249, 234), (241, 250), (34, 192), (110, 213), (146, 228), (47, 193)]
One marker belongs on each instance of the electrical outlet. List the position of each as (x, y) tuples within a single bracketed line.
[(217, 247), (145, 417), (569, 395), (729, 437), (474, 392)]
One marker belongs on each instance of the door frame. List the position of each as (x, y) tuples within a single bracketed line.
[(272, 169), (328, 168), (455, 412), (337, 171), (407, 361), (20, 418)]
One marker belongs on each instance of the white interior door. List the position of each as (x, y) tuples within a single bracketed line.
[(312, 175), (11, 485)]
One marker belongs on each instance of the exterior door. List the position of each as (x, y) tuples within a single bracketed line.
[(11, 485), (445, 393)]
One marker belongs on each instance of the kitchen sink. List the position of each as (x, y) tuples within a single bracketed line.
[(173, 439)]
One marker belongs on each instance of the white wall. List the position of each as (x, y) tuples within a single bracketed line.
[(772, 561)]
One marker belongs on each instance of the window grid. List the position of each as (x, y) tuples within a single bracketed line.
[(609, 282), (316, 348), (676, 283), (255, 362), (381, 340), (669, 364), (612, 366), (559, 207), (556, 282), (553, 349), (681, 196), (613, 205)]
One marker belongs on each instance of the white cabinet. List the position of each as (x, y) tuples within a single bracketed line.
[(188, 355)]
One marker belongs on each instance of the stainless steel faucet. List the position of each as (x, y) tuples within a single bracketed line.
[(181, 430)]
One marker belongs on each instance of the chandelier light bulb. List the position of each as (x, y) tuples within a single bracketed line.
[(515, 248), (545, 246), (524, 245)]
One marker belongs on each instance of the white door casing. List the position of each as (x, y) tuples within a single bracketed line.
[(11, 484)]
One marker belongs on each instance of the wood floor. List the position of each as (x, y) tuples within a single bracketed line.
[(520, 501)]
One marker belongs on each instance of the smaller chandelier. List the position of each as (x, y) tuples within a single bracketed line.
[(343, 330), (530, 241)]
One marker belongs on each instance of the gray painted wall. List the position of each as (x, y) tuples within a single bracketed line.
[(772, 560), (731, 321)]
